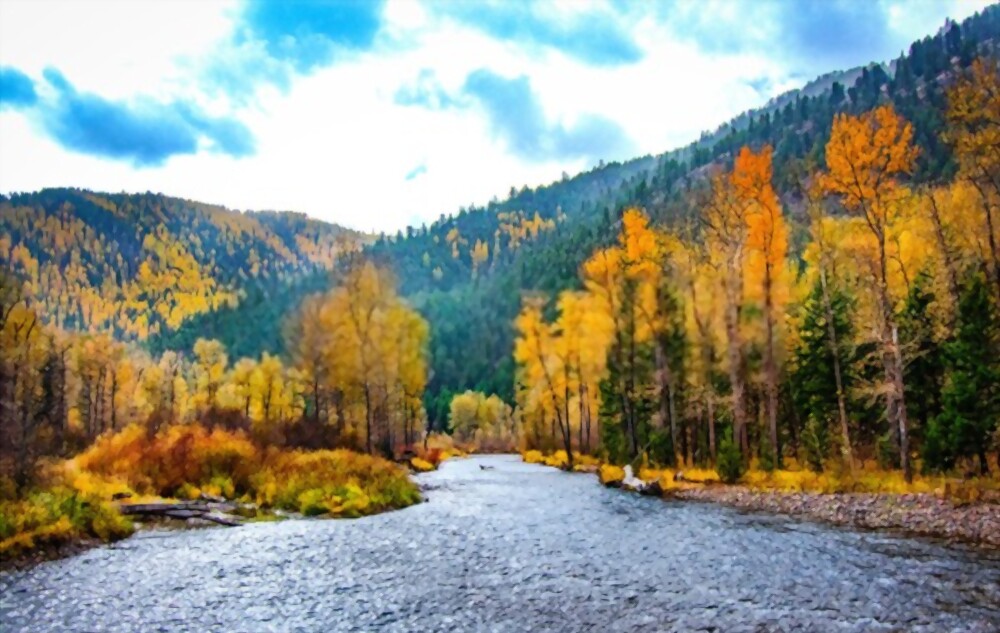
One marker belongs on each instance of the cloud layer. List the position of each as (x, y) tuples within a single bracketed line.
[(376, 114)]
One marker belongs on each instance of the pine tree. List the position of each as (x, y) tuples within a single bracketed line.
[(971, 397), (813, 380), (924, 372)]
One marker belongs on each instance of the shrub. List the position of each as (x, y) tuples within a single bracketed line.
[(172, 461), (339, 483), (729, 462), (814, 442), (53, 517), (188, 460), (610, 474), (533, 457), (421, 466), (558, 459)]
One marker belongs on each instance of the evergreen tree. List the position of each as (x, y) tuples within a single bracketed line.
[(971, 397), (924, 373), (813, 380)]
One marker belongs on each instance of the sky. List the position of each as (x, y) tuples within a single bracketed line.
[(383, 114)]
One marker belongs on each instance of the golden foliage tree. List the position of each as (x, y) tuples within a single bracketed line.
[(864, 157)]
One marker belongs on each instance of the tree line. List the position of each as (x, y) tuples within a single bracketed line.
[(875, 339), (354, 378)]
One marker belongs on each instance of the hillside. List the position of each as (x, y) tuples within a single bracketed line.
[(471, 311), (199, 270), (142, 265)]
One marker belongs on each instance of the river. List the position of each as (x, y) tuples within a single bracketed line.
[(514, 547)]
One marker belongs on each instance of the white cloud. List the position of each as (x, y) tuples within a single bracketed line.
[(336, 145)]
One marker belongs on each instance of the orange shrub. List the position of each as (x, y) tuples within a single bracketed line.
[(163, 463)]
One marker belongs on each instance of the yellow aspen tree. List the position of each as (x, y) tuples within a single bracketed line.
[(864, 156), (210, 367), (241, 378), (767, 245), (535, 350), (699, 278), (724, 216), (973, 130)]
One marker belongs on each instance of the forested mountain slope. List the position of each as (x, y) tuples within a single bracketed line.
[(472, 305), (141, 265)]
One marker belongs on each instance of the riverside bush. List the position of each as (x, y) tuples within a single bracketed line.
[(49, 518), (730, 462), (533, 457), (610, 474), (341, 482), (186, 461), (421, 465)]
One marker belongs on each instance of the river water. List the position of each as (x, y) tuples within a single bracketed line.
[(518, 548)]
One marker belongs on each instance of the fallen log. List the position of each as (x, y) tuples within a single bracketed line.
[(184, 510), (182, 514), (680, 476), (222, 519), (160, 508)]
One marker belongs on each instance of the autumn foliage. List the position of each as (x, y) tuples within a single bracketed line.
[(720, 342), (187, 460)]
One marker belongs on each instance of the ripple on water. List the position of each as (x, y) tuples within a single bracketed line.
[(515, 548)]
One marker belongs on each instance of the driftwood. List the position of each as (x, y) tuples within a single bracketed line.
[(208, 510), (680, 476)]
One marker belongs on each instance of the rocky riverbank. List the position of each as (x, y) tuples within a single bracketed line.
[(956, 512), (921, 514)]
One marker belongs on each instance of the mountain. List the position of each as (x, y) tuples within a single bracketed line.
[(143, 265), (199, 270)]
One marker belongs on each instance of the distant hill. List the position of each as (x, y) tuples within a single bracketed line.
[(141, 265)]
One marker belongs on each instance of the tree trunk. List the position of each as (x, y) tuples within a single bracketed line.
[(368, 419), (315, 401), (904, 425), (771, 368), (991, 235), (114, 392), (893, 361), (947, 255), (710, 410), (633, 436), (838, 379), (735, 377), (668, 413), (338, 402)]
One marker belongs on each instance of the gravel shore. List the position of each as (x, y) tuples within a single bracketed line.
[(922, 514)]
